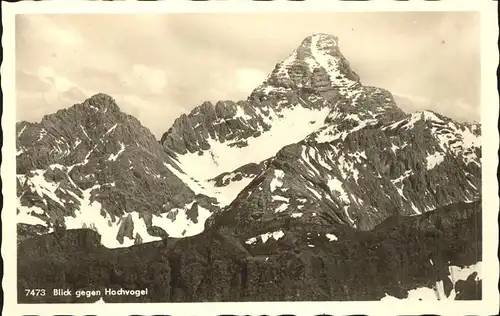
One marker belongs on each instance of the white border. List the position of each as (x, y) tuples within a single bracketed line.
[(490, 140)]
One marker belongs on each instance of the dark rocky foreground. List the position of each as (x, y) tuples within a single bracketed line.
[(361, 265)]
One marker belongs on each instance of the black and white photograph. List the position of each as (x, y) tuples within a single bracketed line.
[(249, 157)]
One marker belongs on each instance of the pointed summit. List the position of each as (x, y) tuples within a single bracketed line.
[(101, 102), (323, 38), (316, 64)]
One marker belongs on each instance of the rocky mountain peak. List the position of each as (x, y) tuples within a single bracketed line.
[(102, 101), (99, 104), (326, 42), (91, 165), (316, 65)]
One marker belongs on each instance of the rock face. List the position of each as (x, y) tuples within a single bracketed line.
[(316, 187), (316, 65), (93, 166)]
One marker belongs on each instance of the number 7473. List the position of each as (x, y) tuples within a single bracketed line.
[(34, 292)]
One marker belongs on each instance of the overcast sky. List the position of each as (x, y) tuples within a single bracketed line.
[(160, 66)]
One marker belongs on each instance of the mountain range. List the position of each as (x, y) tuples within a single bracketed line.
[(316, 187)]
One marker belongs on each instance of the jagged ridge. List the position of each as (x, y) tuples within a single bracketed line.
[(93, 166), (312, 127)]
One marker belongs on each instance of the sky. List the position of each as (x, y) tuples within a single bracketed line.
[(158, 67)]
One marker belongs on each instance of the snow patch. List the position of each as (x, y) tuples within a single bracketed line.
[(89, 215), (316, 193), (281, 208), (280, 198), (224, 195), (289, 125), (430, 116), (251, 241), (335, 185), (437, 292), (37, 183), (240, 113), (326, 61), (77, 142), (182, 226), (470, 140), (57, 166), (459, 273), (21, 131), (415, 208), (434, 160), (276, 235), (26, 214), (277, 181), (111, 129), (331, 237), (43, 133), (113, 157), (85, 133)]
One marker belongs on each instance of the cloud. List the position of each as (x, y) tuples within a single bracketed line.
[(459, 109), (152, 80), (411, 103), (30, 82), (248, 79), (100, 80), (75, 93), (131, 104), (233, 85), (45, 80), (59, 83), (44, 92), (156, 112), (456, 108), (44, 28), (66, 37)]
